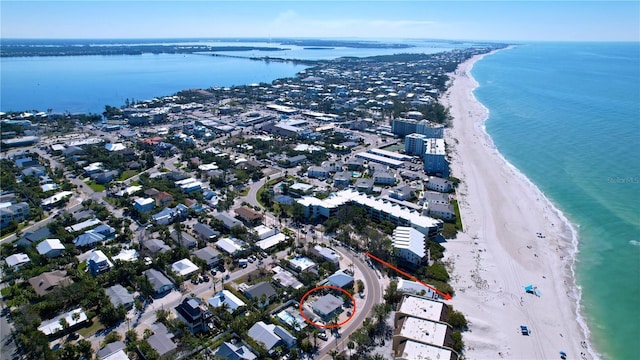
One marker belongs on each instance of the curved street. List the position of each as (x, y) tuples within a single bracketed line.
[(372, 284)]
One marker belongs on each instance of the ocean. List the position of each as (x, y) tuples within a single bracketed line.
[(568, 116)]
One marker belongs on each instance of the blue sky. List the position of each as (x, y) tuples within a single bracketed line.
[(478, 20)]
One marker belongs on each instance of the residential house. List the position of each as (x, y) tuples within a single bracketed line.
[(184, 267), (209, 255), (74, 319), (333, 166), (35, 171), (327, 253), (342, 179), (318, 172), (227, 221), (403, 193), (164, 217), (13, 212), (53, 200), (184, 239), (119, 295), (443, 211), (197, 318), (50, 248), (328, 306), (439, 184), (364, 185), (45, 282), (113, 351), (293, 160), (340, 279), (261, 292), (31, 238), (384, 177), (271, 241), (271, 336), (355, 164), (226, 297), (88, 239), (248, 215), (160, 283), (432, 198), (98, 263), (105, 177), (230, 351), (154, 247), (16, 260), (144, 204), (231, 246), (301, 263), (105, 230), (163, 198), (161, 342), (205, 232)]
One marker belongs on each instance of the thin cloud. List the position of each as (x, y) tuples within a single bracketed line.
[(291, 22)]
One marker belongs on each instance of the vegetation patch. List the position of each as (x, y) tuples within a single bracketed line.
[(127, 174), (95, 186)]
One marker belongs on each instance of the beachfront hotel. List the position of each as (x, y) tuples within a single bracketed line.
[(378, 209)]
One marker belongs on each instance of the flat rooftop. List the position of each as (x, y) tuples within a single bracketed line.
[(379, 159), (417, 350), (434, 146), (390, 154), (426, 331), (421, 308)]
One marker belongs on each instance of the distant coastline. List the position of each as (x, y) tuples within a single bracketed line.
[(59, 47)]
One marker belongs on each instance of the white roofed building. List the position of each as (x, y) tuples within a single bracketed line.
[(378, 209), (184, 267), (50, 248), (409, 245), (271, 241)]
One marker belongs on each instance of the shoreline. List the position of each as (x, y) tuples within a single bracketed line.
[(495, 250)]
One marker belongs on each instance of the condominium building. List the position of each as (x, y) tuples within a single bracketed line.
[(435, 162)]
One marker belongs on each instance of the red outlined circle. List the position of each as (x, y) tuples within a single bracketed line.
[(353, 301)]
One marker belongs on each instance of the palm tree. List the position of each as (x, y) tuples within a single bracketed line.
[(351, 345)]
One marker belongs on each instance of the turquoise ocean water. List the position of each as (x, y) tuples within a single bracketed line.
[(568, 116)]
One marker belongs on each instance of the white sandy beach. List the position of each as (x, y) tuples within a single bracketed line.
[(499, 252)]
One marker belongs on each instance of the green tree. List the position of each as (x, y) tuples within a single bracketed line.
[(456, 341), (360, 285), (457, 320)]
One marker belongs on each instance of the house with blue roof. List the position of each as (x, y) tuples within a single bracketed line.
[(106, 230), (164, 217), (340, 279), (88, 239)]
